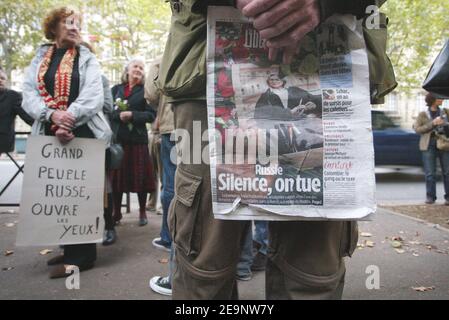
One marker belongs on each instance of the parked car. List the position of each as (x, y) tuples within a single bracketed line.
[(394, 146)]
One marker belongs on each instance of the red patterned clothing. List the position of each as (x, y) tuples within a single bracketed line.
[(136, 172), (127, 91)]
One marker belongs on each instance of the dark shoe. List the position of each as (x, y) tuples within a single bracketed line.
[(56, 260), (63, 271), (117, 218), (161, 285), (259, 262), (59, 271), (143, 222), (244, 277), (110, 237), (158, 243), (430, 201), (256, 245), (446, 202)]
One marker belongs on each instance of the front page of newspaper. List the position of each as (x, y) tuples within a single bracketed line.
[(289, 142)]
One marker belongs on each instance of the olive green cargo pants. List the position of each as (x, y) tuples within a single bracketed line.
[(305, 258)]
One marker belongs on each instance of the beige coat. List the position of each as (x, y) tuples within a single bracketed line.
[(157, 100), (423, 126)]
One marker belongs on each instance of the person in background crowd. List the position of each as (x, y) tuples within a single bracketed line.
[(432, 125), (63, 93), (254, 252), (110, 235), (10, 107), (260, 244), (129, 123), (165, 126), (154, 139)]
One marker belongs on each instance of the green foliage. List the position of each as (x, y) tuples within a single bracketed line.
[(123, 29), (18, 32), (118, 30), (417, 32)]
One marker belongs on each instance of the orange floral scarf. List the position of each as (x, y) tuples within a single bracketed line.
[(63, 79)]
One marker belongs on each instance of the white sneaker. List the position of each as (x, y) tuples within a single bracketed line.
[(157, 242), (161, 285)]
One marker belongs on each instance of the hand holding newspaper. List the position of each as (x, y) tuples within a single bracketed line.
[(300, 146)]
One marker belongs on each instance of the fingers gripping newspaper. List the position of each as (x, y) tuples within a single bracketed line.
[(289, 142)]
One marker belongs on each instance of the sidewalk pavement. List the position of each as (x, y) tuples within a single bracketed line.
[(123, 270)]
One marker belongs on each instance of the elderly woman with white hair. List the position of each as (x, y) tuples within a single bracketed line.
[(129, 119), (63, 93)]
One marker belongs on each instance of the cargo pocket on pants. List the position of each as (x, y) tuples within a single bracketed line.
[(349, 238), (184, 222)]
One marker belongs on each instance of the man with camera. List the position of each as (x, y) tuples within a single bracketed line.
[(433, 127)]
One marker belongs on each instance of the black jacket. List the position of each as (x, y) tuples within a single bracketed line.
[(269, 105), (10, 107), (142, 112)]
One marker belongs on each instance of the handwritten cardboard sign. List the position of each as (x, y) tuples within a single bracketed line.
[(62, 192)]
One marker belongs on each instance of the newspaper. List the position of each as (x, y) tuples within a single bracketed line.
[(289, 142)]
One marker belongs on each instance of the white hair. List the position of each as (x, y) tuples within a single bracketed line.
[(125, 71)]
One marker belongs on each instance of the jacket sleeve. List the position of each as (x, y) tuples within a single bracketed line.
[(423, 124), (200, 6), (152, 94), (108, 106), (222, 3), (91, 97), (142, 117), (33, 104), (355, 7), (17, 107)]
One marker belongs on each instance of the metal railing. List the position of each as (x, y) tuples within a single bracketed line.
[(19, 170)]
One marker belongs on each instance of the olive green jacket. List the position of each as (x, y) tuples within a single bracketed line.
[(165, 117), (182, 76)]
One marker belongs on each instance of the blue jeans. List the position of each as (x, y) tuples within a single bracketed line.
[(246, 256), (430, 161), (168, 184), (261, 235)]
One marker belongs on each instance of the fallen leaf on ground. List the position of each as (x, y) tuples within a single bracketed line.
[(9, 225), (7, 269), (369, 244), (164, 261), (397, 239), (423, 289), (45, 252), (415, 254), (400, 251), (366, 234), (431, 247), (7, 212), (441, 251), (396, 244), (8, 252)]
